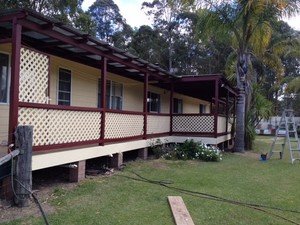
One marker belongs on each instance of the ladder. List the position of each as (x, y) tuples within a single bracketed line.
[(286, 132)]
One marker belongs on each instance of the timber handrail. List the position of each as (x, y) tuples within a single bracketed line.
[(9, 156)]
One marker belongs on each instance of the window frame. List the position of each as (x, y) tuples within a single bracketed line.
[(58, 87), (177, 106), (7, 101), (149, 100), (202, 108), (110, 95)]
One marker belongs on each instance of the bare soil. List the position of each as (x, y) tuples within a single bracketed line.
[(44, 190)]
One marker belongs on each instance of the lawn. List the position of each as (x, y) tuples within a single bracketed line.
[(138, 194)]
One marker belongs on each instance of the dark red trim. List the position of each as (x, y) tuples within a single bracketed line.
[(103, 96), (210, 77), (65, 145), (138, 137), (171, 107), (157, 135), (123, 112), (18, 15), (106, 54), (58, 107), (216, 112), (227, 110), (193, 114), (158, 114), (195, 134), (15, 77), (145, 103), (5, 41)]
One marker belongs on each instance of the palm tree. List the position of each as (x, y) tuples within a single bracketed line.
[(248, 23)]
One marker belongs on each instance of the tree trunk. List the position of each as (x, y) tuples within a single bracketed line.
[(242, 68), (240, 122)]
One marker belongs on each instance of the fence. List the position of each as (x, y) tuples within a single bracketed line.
[(15, 169)]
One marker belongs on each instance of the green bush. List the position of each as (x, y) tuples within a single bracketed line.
[(189, 150), (193, 150)]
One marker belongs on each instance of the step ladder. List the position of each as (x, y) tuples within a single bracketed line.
[(286, 132)]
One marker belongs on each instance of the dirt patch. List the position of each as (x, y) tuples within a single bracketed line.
[(44, 185)]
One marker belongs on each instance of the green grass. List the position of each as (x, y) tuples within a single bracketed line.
[(124, 199)]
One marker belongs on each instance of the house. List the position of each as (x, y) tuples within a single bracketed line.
[(87, 99)]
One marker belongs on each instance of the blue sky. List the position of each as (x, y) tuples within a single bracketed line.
[(135, 17)]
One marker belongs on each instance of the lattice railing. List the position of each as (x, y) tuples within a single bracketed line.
[(193, 123), (34, 70), (158, 124), (51, 126), (122, 125)]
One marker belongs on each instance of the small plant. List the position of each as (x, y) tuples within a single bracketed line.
[(160, 148), (193, 150), (189, 150), (209, 153)]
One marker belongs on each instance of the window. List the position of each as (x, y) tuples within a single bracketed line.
[(177, 105), (64, 87), (114, 95), (202, 108), (4, 78), (153, 102)]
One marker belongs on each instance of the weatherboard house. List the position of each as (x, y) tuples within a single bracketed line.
[(86, 99)]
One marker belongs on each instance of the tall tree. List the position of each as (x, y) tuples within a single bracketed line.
[(108, 19), (148, 44), (66, 11), (165, 13), (248, 24)]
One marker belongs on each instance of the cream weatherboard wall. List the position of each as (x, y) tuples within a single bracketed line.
[(4, 115), (191, 105), (84, 82), (4, 111)]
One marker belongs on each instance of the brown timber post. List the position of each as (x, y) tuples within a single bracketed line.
[(103, 97), (145, 103), (216, 108), (23, 176), (171, 107), (15, 77)]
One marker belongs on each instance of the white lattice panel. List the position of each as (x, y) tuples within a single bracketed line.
[(158, 124), (34, 70), (60, 126), (193, 124), (123, 125)]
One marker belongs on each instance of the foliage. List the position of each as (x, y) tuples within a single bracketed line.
[(160, 148), (66, 11), (248, 24), (189, 150), (148, 44), (108, 19)]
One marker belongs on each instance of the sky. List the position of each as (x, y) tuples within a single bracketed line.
[(135, 17)]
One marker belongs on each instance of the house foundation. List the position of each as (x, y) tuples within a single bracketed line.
[(77, 173), (117, 160), (143, 153)]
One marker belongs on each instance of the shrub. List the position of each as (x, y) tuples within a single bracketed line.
[(189, 150), (193, 150)]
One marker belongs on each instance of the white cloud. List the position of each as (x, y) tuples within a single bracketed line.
[(135, 16), (294, 22), (130, 10)]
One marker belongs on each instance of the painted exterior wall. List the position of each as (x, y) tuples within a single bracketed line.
[(192, 105), (4, 114), (4, 111)]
